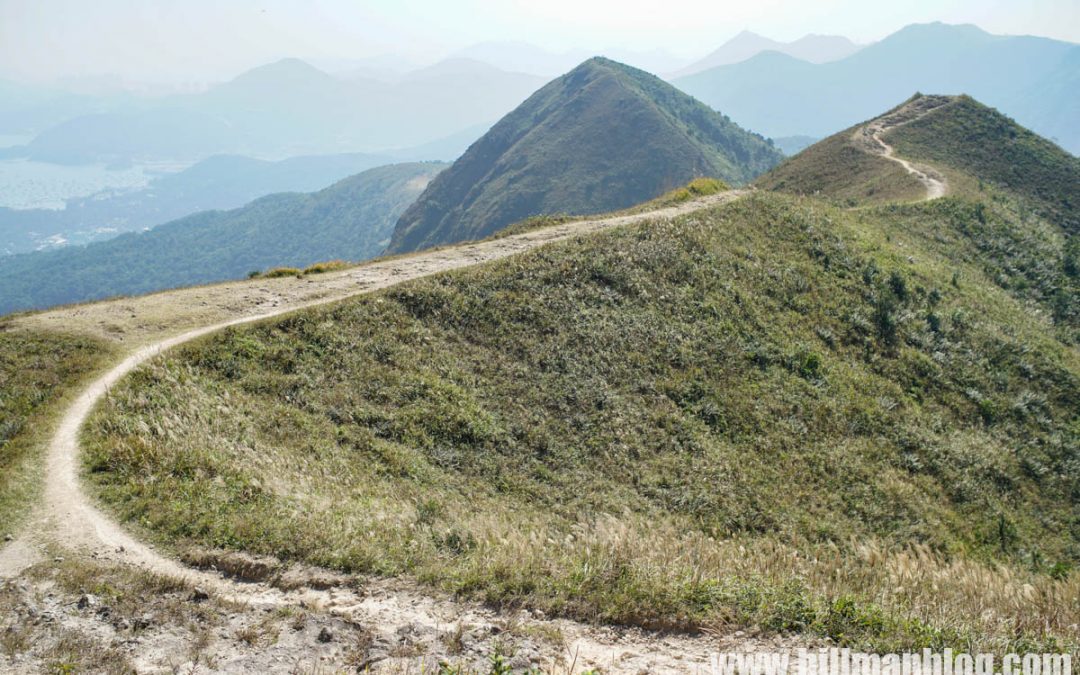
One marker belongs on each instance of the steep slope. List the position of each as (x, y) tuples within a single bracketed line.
[(218, 182), (352, 219), (1014, 197), (745, 45), (952, 134), (602, 137), (932, 57)]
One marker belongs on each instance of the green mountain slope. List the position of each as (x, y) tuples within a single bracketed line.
[(964, 138), (779, 413), (600, 138), (219, 182), (351, 219), (976, 140), (1014, 196)]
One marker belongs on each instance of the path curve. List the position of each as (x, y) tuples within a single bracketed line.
[(68, 518), (870, 134)]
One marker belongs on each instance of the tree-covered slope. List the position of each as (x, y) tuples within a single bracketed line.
[(351, 220), (603, 137)]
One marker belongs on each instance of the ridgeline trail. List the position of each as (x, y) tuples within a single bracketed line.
[(870, 138), (67, 519)]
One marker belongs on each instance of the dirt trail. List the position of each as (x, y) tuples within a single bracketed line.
[(151, 318), (869, 136), (67, 518)]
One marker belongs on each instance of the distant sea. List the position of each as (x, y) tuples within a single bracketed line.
[(38, 185)]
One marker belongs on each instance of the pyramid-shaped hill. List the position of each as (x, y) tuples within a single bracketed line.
[(602, 137), (967, 143)]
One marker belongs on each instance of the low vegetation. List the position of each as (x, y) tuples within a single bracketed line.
[(977, 140), (37, 369), (699, 187), (840, 170), (774, 413), (279, 272), (324, 267)]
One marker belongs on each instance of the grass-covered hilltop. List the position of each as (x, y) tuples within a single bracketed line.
[(837, 413), (603, 137)]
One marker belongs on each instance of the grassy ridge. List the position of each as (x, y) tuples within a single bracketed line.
[(718, 420), (839, 170), (36, 370), (1014, 205), (979, 141), (601, 138)]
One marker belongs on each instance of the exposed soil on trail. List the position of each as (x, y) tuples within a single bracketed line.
[(146, 319), (398, 622), (869, 137)]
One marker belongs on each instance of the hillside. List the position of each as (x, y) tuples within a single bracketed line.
[(950, 59), (635, 426), (963, 137), (218, 182), (351, 220), (973, 139), (1012, 194), (600, 138)]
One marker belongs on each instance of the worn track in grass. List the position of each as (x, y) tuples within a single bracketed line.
[(69, 520)]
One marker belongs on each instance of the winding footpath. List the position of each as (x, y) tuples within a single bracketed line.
[(68, 520), (871, 137)]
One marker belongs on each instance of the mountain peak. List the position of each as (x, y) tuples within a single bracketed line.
[(288, 69), (747, 45), (938, 30), (745, 34), (602, 137)]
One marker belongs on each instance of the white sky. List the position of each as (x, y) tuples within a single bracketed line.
[(194, 40)]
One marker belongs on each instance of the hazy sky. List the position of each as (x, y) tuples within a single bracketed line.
[(178, 40)]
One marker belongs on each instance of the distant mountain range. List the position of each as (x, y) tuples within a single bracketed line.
[(351, 220), (1032, 79), (809, 87), (602, 137), (283, 109), (745, 45)]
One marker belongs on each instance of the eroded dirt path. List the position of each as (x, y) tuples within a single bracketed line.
[(869, 136), (67, 519)]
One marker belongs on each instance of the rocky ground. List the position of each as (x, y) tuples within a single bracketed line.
[(67, 616)]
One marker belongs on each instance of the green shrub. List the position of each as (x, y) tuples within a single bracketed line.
[(278, 272), (328, 266)]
